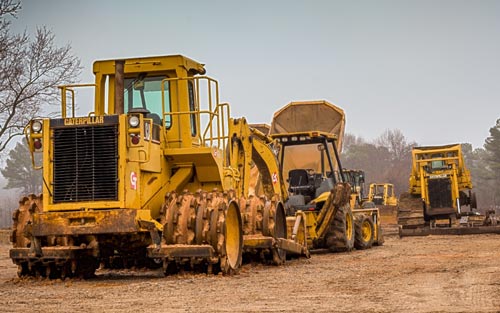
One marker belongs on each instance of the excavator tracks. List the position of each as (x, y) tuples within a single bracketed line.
[(412, 223)]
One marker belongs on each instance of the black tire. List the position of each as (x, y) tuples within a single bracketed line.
[(473, 200), (279, 255), (86, 267), (380, 237), (340, 237), (364, 232), (22, 269)]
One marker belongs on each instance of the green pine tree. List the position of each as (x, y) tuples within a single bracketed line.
[(492, 146), (19, 171)]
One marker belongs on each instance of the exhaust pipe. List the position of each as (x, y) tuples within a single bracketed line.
[(119, 86)]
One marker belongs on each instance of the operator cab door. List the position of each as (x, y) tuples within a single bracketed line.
[(142, 94)]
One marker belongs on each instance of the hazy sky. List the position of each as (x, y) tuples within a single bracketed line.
[(428, 68)]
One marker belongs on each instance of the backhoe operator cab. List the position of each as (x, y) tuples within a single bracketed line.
[(356, 178), (310, 173)]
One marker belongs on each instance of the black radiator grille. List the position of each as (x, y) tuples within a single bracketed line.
[(378, 200), (85, 164), (440, 193)]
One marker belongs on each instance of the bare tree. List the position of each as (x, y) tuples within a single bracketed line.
[(30, 71), (398, 169), (395, 142)]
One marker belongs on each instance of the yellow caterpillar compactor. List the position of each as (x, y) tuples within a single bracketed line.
[(309, 136), (441, 190), (157, 175)]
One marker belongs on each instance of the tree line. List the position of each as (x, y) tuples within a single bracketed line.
[(386, 159)]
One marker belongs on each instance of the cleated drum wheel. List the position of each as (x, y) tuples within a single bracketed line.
[(232, 241), (274, 224), (205, 218)]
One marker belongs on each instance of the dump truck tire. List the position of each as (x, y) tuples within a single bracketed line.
[(364, 232), (341, 235)]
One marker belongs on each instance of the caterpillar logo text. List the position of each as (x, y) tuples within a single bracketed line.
[(89, 120)]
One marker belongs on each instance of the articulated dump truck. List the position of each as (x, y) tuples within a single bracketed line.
[(310, 135), (440, 199), (157, 175)]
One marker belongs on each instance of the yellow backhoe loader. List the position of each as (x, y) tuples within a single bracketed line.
[(309, 134)]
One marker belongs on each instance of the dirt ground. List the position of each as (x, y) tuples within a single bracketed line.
[(419, 274)]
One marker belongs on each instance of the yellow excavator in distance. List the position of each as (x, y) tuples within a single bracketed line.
[(440, 199), (382, 195)]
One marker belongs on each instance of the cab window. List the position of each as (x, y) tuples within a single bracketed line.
[(145, 93)]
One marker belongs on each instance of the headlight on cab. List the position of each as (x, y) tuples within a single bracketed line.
[(36, 126), (133, 121)]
